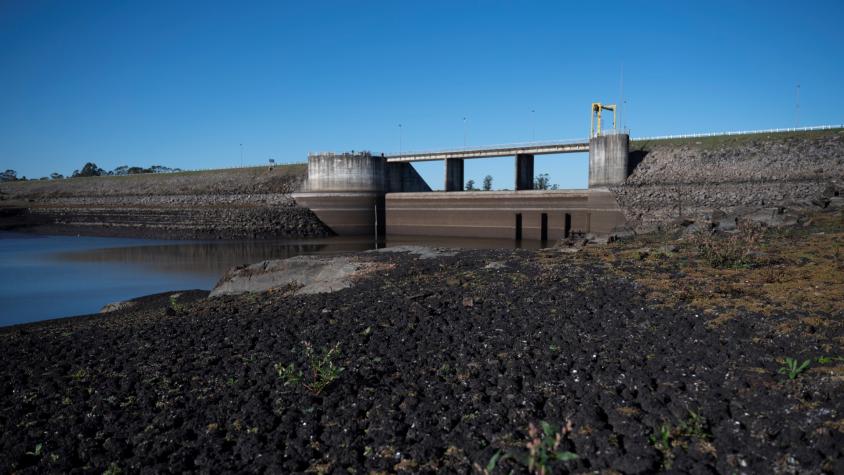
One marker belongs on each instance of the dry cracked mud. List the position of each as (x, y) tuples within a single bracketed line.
[(438, 365)]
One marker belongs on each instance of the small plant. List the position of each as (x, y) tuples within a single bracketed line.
[(666, 437), (829, 359), (113, 469), (730, 251), (543, 448), (694, 426), (289, 374), (80, 374), (174, 303), (39, 449), (661, 440), (792, 368), (322, 370)]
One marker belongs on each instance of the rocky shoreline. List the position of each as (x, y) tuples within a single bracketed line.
[(249, 203), (732, 176), (634, 357)]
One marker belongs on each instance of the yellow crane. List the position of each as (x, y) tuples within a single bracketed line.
[(597, 107)]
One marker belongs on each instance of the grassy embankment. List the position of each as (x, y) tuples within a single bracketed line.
[(233, 180)]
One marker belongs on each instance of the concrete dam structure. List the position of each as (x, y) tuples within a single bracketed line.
[(352, 192)]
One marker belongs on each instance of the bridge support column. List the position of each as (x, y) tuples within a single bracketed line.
[(524, 171), (454, 174), (608, 160)]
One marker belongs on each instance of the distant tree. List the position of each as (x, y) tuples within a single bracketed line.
[(136, 171), (542, 182), (9, 175), (44, 178), (487, 182), (470, 186), (90, 169), (56, 176), (120, 171)]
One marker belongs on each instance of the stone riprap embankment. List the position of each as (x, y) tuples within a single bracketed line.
[(242, 203), (721, 179)]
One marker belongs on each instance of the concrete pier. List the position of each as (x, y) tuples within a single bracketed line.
[(454, 174), (524, 171), (608, 160), (346, 191)]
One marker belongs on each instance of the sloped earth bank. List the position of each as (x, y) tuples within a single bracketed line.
[(446, 362)]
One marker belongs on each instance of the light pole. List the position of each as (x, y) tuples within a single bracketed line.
[(533, 125), (797, 108), (241, 155), (624, 116), (399, 139), (464, 132)]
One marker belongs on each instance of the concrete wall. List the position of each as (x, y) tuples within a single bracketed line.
[(346, 214), (347, 190), (608, 160), (493, 213), (403, 177), (345, 172)]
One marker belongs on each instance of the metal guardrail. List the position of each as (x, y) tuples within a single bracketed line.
[(483, 148), (744, 132)]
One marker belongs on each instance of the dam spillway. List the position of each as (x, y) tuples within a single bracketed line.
[(357, 193)]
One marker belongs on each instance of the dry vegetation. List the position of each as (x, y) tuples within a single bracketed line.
[(799, 271)]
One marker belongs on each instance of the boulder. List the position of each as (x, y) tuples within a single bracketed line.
[(307, 274), (836, 202)]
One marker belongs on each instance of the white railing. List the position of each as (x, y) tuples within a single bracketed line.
[(744, 132), (546, 143)]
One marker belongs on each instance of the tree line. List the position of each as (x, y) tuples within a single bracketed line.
[(541, 182), (91, 169)]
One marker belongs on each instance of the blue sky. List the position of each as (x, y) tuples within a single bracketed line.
[(182, 84)]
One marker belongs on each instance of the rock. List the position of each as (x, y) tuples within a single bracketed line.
[(311, 274), (727, 223), (771, 217), (422, 251), (115, 306), (836, 202), (495, 265), (667, 249), (620, 233)]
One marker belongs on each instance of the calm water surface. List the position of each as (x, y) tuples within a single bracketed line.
[(43, 277)]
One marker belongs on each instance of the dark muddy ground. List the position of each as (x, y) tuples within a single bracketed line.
[(446, 362)]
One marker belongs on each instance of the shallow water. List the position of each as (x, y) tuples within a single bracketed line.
[(43, 277)]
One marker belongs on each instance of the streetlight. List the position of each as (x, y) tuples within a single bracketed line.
[(464, 132), (533, 125), (241, 155), (624, 116), (399, 139)]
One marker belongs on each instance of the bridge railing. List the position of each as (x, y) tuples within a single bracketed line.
[(743, 132), (545, 143)]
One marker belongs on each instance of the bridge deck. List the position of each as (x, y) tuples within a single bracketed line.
[(493, 151)]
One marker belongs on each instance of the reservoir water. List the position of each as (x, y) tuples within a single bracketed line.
[(44, 277)]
